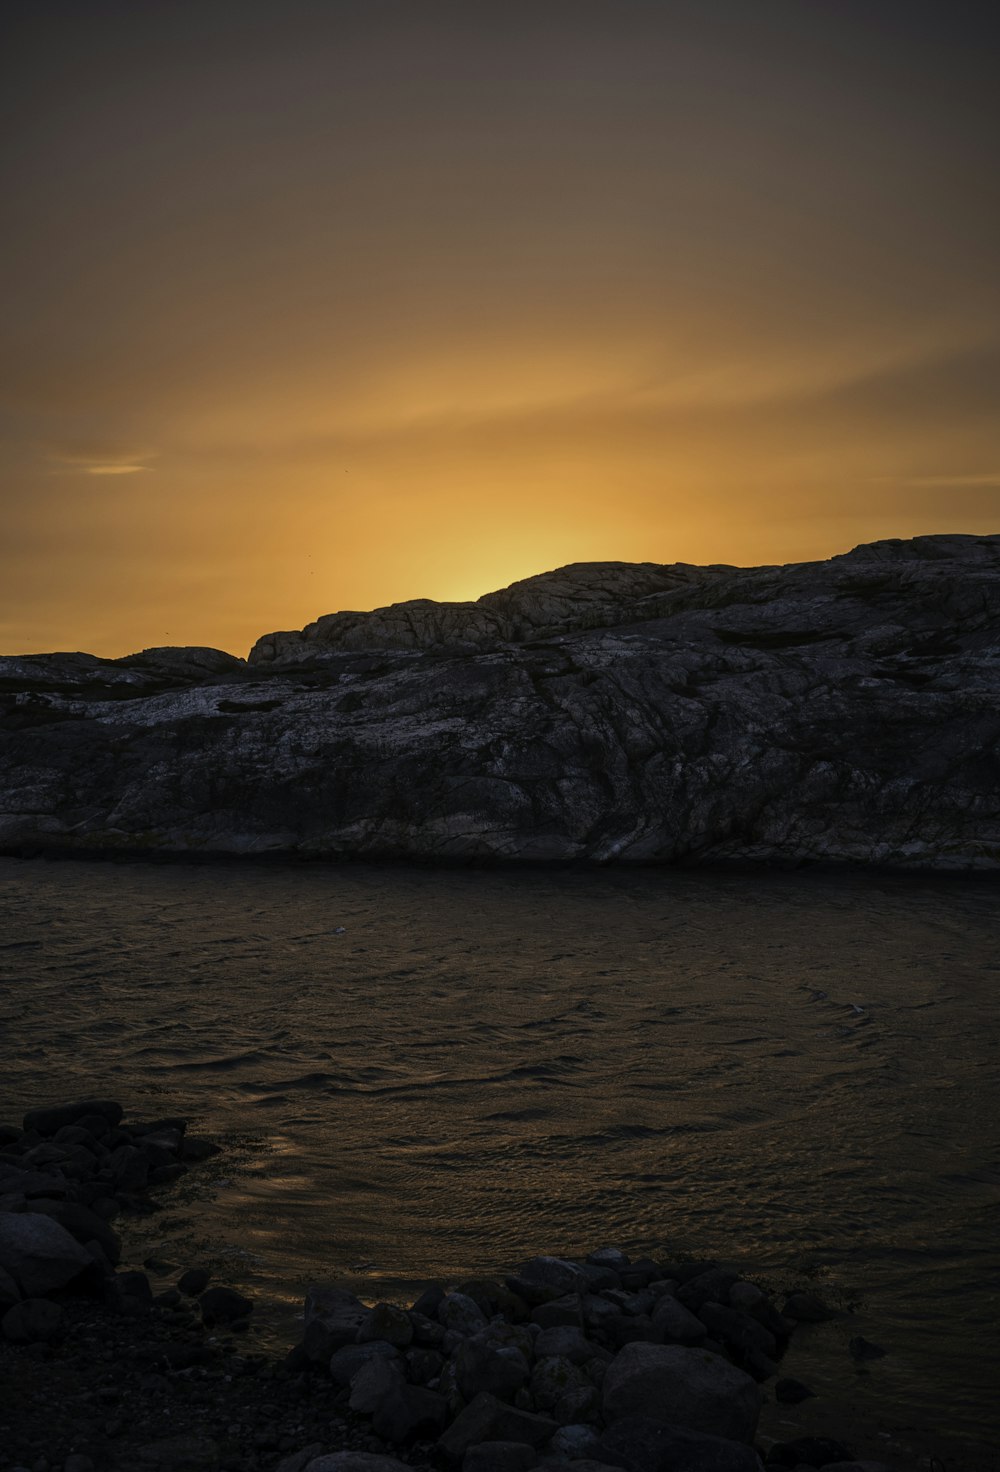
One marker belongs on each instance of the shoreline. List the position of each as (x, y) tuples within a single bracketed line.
[(121, 1362)]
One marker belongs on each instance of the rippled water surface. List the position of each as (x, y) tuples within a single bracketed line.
[(423, 1074)]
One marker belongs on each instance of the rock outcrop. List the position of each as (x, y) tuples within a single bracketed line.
[(839, 711)]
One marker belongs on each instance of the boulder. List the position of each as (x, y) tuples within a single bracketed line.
[(574, 1442), (675, 1324), (692, 1388), (39, 1254), (386, 1322), (488, 1419), (373, 1382), (461, 1314), (552, 1378), (568, 1342), (482, 1364), (348, 1360), (644, 1444)]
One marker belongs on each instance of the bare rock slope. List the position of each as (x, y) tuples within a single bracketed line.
[(844, 711)]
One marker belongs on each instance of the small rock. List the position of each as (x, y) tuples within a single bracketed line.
[(791, 1392), (78, 1463), (33, 1321), (808, 1451), (193, 1282), (864, 1349), (609, 1257), (500, 1456), (224, 1306), (806, 1308)]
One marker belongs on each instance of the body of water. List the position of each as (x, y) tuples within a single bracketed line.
[(427, 1074)]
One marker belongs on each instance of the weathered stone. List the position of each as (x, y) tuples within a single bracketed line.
[(408, 1413), (500, 1456), (808, 1451), (806, 1308), (691, 1388), (574, 1442), (50, 1120), (9, 1291), (39, 1254), (348, 1360), (193, 1282), (84, 1226), (460, 1314), (675, 1324), (558, 1312), (552, 1378), (644, 1444), (488, 1419), (557, 1273), (579, 1405), (569, 1342), (710, 1287), (224, 1305), (609, 1257), (388, 1323), (483, 1364), (791, 1392), (32, 1321), (375, 1380)]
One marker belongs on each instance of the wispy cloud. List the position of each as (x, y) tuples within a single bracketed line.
[(97, 460), (987, 478), (114, 469)]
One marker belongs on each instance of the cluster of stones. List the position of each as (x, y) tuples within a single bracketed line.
[(605, 1363), (65, 1175)]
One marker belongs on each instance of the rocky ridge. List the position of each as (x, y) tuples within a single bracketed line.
[(845, 711)]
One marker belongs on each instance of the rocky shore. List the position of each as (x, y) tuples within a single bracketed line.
[(592, 1365), (845, 711)]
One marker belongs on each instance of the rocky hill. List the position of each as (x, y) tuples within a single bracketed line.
[(843, 711)]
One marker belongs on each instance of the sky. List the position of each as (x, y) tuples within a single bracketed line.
[(323, 304)]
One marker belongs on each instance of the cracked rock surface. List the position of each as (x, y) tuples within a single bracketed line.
[(838, 711)]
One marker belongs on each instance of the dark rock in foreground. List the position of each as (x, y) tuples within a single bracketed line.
[(840, 711)]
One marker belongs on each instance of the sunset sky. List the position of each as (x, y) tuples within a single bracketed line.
[(321, 304)]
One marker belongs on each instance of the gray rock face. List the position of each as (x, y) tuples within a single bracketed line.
[(844, 711)]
